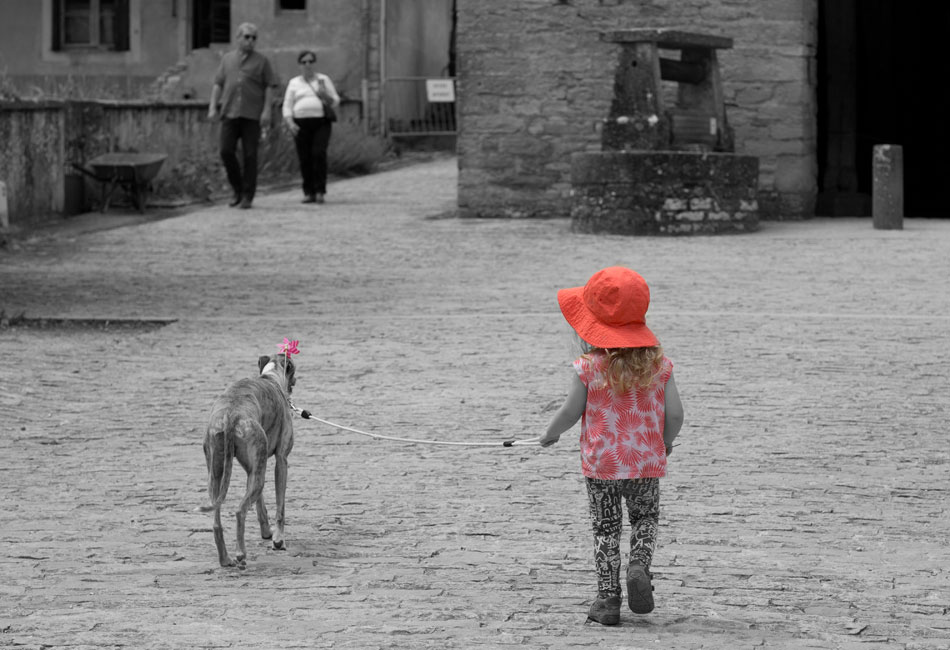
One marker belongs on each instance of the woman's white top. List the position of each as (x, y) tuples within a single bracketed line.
[(300, 99)]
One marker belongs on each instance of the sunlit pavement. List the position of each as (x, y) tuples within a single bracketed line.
[(806, 506)]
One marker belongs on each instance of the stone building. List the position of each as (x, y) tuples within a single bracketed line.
[(378, 52), (810, 86), (79, 78)]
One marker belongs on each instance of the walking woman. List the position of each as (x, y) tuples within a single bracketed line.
[(309, 113)]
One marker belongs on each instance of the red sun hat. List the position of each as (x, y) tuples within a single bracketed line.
[(610, 310)]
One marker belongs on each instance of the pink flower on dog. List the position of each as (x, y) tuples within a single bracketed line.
[(289, 347)]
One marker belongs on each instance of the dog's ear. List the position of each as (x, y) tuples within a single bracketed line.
[(291, 370), (262, 361)]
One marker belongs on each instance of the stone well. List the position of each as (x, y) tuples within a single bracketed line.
[(665, 170)]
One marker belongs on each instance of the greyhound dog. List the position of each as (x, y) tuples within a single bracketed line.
[(251, 421)]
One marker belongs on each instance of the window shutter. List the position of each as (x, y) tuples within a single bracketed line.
[(122, 27), (57, 41), (220, 21)]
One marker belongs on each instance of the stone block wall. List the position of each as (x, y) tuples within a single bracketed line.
[(664, 193), (535, 82)]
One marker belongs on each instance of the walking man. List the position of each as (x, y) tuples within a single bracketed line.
[(242, 96)]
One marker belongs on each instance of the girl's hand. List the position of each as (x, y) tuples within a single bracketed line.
[(548, 439)]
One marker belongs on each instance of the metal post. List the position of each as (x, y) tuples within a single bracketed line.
[(383, 130), (887, 205)]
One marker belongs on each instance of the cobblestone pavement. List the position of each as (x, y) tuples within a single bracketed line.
[(807, 506)]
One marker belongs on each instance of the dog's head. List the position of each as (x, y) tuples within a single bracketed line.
[(281, 368)]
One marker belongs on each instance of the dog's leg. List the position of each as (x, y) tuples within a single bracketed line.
[(255, 484), (262, 519), (219, 474), (256, 466), (280, 485), (223, 558), (241, 559)]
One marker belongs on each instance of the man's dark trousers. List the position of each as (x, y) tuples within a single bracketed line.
[(249, 133)]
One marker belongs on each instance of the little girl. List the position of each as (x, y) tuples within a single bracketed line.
[(630, 411)]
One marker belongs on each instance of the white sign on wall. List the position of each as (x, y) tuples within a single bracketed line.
[(440, 90)]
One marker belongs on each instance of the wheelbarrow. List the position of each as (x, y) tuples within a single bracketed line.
[(133, 172)]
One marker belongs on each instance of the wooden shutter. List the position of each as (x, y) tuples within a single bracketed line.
[(220, 21), (122, 26), (57, 43)]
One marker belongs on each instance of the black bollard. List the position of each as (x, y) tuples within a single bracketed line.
[(887, 204), (4, 211)]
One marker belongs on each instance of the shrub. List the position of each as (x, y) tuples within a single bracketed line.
[(351, 152), (354, 152)]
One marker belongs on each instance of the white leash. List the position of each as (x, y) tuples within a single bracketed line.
[(306, 415)]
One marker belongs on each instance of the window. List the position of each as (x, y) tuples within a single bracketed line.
[(211, 23), (293, 5), (91, 24)]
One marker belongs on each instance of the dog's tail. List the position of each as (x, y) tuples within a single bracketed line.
[(220, 461)]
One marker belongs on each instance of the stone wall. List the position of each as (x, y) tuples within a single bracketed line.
[(664, 193), (179, 129), (33, 137), (164, 66), (45, 139), (536, 81)]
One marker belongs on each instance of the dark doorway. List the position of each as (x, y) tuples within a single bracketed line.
[(880, 82), (419, 104)]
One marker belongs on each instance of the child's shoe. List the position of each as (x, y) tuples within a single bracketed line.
[(605, 610), (639, 589)]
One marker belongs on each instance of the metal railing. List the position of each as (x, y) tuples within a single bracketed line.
[(416, 106)]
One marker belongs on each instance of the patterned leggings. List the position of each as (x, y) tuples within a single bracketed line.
[(606, 514)]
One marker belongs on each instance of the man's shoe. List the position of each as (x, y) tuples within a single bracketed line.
[(310, 198), (235, 200), (639, 589), (245, 203), (605, 610), (319, 198)]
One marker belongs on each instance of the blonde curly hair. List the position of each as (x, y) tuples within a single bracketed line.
[(628, 367)]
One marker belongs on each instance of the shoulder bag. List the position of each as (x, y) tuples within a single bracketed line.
[(328, 111)]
